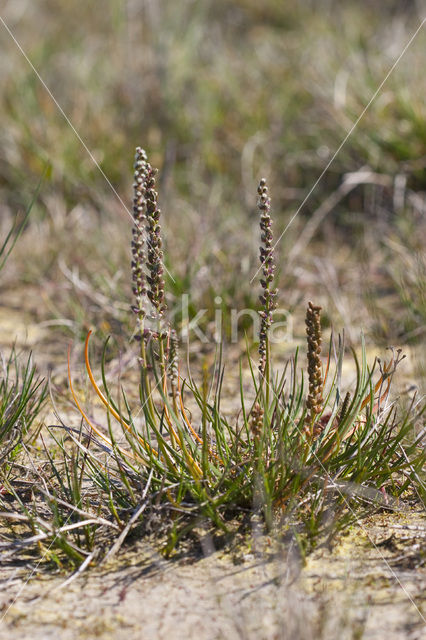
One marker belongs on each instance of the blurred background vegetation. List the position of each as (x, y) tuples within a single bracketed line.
[(219, 93)]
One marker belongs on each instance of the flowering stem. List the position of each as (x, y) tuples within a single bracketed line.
[(269, 293), (315, 401)]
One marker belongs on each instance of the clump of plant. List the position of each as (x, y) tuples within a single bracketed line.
[(22, 393), (303, 454), (22, 396)]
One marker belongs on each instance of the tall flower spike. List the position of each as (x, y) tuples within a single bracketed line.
[(138, 237), (314, 402), (267, 260), (155, 254)]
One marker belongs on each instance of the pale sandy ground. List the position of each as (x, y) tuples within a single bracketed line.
[(371, 586)]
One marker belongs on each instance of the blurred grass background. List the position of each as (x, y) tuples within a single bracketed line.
[(219, 93)]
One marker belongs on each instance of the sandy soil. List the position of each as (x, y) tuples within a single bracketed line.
[(372, 585)]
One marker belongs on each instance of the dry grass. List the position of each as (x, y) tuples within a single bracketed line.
[(219, 93)]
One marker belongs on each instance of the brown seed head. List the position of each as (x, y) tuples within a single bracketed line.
[(314, 402), (267, 260), (256, 422)]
